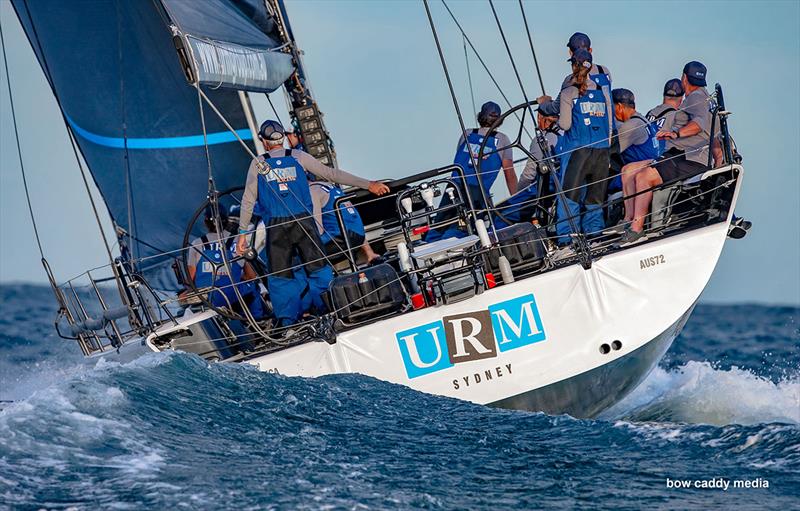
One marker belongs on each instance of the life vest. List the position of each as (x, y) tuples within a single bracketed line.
[(283, 189), (603, 82), (212, 271), (601, 79), (590, 126), (658, 121), (647, 150), (330, 220), (490, 165)]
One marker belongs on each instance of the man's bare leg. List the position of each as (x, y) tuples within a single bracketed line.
[(629, 173), (368, 252), (646, 179)]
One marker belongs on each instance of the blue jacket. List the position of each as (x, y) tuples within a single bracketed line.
[(330, 220), (647, 150), (590, 125)]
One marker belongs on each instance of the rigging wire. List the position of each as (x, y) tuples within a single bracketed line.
[(473, 157), (580, 241), (274, 110), (128, 177), (469, 76), (485, 67), (530, 42), (19, 150)]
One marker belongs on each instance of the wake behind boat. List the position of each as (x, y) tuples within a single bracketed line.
[(504, 313)]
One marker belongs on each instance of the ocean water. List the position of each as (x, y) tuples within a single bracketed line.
[(170, 431)]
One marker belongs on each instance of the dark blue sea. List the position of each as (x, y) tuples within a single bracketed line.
[(169, 431)]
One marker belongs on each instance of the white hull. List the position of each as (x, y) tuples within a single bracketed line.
[(640, 297)]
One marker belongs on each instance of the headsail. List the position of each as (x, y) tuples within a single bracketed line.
[(114, 70)]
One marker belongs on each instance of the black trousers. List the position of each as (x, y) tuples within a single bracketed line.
[(584, 166), (287, 237)]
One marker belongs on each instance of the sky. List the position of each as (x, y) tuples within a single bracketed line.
[(377, 77)]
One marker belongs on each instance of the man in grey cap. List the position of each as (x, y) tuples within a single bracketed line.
[(278, 184), (688, 154)]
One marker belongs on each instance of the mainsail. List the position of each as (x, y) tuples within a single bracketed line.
[(114, 69)]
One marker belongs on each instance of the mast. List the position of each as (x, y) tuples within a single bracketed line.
[(303, 110), (251, 121)]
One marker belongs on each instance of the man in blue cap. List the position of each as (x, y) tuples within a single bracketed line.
[(688, 152), (638, 148), (668, 114), (277, 182)]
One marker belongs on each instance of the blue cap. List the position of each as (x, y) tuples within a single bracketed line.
[(579, 40), (549, 109), (623, 97), (696, 73), (674, 88), (490, 108), (581, 57), (271, 130)]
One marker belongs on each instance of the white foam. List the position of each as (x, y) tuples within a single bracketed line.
[(698, 393)]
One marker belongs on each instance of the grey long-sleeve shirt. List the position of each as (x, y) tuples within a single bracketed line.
[(567, 97), (606, 90), (309, 163)]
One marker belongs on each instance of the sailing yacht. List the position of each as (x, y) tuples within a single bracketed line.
[(156, 97)]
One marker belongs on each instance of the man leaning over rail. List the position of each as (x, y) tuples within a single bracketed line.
[(277, 182)]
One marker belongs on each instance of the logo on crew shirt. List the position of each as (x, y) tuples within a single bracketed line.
[(593, 108), (471, 336)]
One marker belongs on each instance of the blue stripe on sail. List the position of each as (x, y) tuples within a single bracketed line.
[(221, 137)]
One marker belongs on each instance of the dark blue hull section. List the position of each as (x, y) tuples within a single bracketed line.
[(587, 394)]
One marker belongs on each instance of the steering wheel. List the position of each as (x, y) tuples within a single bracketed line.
[(527, 113), (250, 255)]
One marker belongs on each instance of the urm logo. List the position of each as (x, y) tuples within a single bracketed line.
[(471, 336)]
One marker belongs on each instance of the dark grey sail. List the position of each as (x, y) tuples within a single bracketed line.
[(114, 69)]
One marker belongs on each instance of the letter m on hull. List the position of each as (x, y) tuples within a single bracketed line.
[(516, 323)]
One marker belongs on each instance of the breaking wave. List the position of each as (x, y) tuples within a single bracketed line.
[(170, 430), (696, 392)]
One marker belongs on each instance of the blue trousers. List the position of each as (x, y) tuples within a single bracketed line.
[(585, 171)]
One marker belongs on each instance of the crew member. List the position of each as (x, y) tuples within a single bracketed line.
[(277, 182), (600, 75), (207, 268), (497, 155), (294, 140), (547, 119), (638, 148), (668, 116), (583, 116), (689, 151), (324, 196)]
